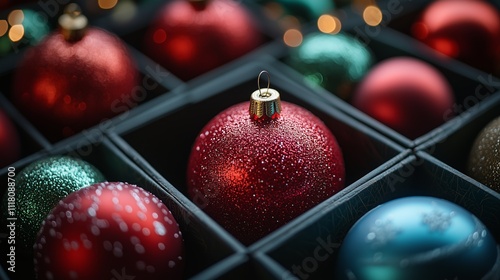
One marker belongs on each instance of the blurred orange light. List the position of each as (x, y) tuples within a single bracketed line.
[(292, 38), (15, 17), (4, 26), (16, 32), (329, 24), (372, 15), (107, 4)]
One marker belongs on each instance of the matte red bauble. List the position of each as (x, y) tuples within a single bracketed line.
[(406, 94), (190, 38), (255, 172), (109, 231), (74, 78), (9, 141), (462, 29)]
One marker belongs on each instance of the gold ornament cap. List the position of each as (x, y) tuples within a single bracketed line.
[(73, 23), (265, 102)]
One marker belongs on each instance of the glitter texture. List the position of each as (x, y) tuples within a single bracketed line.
[(254, 176), (87, 235), (484, 158), (41, 185)]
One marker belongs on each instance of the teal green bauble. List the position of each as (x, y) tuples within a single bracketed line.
[(336, 62), (415, 238), (39, 187)]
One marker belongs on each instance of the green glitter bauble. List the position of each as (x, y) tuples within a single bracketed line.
[(40, 186), (334, 62)]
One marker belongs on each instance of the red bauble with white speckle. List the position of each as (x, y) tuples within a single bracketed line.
[(109, 230), (406, 94), (462, 29), (255, 174), (190, 38)]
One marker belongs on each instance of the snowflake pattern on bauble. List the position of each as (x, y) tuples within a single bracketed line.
[(382, 232), (437, 220)]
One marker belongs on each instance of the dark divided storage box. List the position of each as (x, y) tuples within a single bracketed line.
[(150, 144)]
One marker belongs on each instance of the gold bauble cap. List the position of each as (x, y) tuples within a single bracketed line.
[(265, 102), (73, 23)]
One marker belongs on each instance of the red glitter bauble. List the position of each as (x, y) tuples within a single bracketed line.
[(190, 38), (65, 86), (109, 231), (463, 29), (254, 175), (406, 94), (9, 141)]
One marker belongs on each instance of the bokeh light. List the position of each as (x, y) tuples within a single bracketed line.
[(16, 32), (107, 4), (372, 15), (125, 11), (420, 30), (329, 24), (159, 36), (293, 37), (4, 26), (15, 17)]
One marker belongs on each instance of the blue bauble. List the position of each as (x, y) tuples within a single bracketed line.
[(418, 238)]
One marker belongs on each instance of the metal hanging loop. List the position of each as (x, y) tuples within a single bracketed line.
[(266, 93), (265, 103)]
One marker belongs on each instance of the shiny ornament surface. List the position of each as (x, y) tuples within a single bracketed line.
[(335, 62), (109, 230), (253, 175), (39, 187), (418, 238), (64, 87), (462, 29), (10, 148), (190, 38), (406, 94), (484, 158)]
